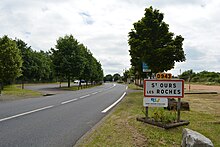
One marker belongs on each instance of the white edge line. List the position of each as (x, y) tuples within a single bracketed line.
[(126, 87), (84, 96), (112, 105), (25, 113), (68, 101)]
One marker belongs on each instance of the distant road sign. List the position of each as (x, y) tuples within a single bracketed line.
[(155, 102), (145, 67), (164, 88)]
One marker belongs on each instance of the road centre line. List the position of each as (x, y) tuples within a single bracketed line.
[(84, 96), (116, 102), (65, 102), (94, 93), (25, 113)]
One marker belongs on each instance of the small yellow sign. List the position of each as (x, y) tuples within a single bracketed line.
[(162, 76)]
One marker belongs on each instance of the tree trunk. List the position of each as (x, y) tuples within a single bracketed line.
[(0, 88), (68, 82), (22, 83)]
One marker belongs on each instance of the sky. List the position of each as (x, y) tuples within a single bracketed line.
[(103, 27)]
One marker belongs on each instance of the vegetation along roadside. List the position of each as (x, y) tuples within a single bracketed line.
[(121, 128)]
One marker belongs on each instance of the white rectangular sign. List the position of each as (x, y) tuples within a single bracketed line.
[(164, 88), (155, 102)]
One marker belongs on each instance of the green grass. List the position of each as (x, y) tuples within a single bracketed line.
[(134, 87), (121, 129), (73, 88), (12, 92)]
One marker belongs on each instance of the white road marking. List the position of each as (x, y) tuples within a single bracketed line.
[(25, 113), (65, 102), (84, 96), (112, 105), (126, 87), (68, 101), (94, 92)]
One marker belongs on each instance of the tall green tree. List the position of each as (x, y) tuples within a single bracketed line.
[(26, 54), (100, 74), (10, 60), (151, 42), (108, 77), (41, 66), (68, 58), (37, 66), (88, 70), (116, 77)]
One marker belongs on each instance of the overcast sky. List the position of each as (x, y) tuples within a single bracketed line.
[(103, 27)]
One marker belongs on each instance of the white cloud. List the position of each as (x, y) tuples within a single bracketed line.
[(103, 27)]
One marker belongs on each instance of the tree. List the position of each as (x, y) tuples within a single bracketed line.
[(116, 77), (108, 77), (100, 75), (10, 60), (37, 66), (187, 75), (151, 42), (41, 66), (128, 74), (27, 59), (68, 58)]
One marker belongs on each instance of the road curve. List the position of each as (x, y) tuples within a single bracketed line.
[(57, 120)]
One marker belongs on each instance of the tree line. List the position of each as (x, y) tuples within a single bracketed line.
[(69, 60), (203, 76)]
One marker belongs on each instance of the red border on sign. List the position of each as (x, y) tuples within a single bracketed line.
[(164, 96)]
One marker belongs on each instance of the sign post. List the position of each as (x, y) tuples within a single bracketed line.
[(145, 68), (164, 89)]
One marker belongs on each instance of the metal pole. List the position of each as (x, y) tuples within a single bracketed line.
[(146, 114), (178, 109)]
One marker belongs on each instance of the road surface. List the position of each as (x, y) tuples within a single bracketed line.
[(57, 120)]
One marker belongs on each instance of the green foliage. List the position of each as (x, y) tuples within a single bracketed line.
[(108, 77), (151, 42), (72, 60), (204, 76), (130, 73), (116, 77), (187, 75), (164, 116), (37, 66), (10, 60)]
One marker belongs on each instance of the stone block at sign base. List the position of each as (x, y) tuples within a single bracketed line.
[(192, 138)]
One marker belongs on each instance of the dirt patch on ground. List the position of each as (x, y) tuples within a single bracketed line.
[(195, 87)]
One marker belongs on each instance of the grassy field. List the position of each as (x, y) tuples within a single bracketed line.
[(13, 92), (120, 128)]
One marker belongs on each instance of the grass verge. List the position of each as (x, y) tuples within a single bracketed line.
[(74, 88), (13, 92), (121, 129)]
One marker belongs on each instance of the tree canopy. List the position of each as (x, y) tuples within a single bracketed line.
[(69, 60), (36, 65), (203, 76), (151, 42), (73, 60), (10, 60)]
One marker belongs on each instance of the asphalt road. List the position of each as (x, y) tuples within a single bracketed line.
[(58, 120)]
